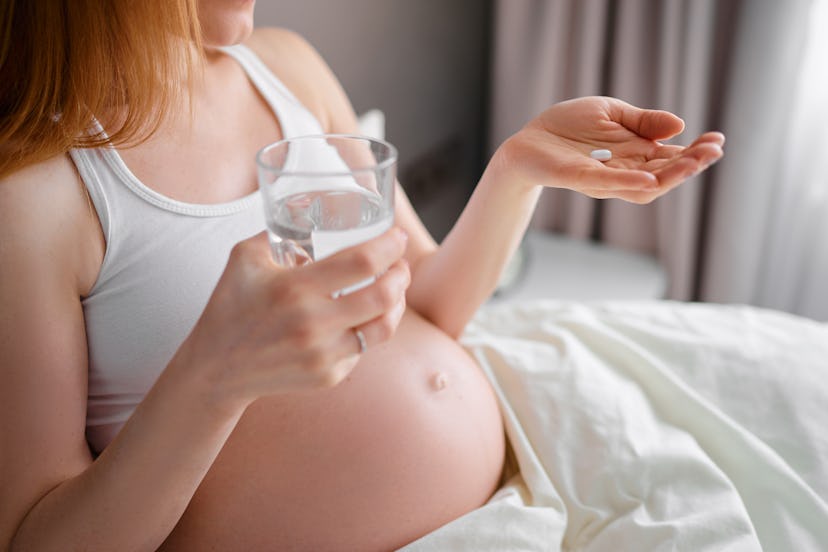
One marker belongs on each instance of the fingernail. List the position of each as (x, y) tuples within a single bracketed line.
[(403, 234)]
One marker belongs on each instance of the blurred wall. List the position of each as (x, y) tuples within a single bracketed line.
[(424, 63)]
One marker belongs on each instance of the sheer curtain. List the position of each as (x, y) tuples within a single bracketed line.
[(720, 64), (769, 216)]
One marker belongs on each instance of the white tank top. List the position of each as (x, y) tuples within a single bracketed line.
[(163, 258)]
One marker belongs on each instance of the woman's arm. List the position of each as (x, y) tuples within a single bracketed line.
[(451, 281), (53, 496), (553, 150), (42, 340), (264, 331)]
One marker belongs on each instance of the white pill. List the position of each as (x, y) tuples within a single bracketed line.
[(601, 154)]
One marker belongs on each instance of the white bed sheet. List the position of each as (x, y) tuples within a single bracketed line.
[(653, 426)]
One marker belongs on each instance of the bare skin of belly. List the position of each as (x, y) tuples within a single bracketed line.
[(411, 440)]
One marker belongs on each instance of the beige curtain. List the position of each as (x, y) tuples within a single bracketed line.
[(666, 54), (768, 218)]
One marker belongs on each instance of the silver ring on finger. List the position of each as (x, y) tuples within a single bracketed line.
[(363, 345)]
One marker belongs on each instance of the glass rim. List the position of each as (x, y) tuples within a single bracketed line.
[(377, 166)]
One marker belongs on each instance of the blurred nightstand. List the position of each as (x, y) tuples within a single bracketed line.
[(552, 266)]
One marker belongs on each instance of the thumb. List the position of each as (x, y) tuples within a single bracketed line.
[(653, 124)]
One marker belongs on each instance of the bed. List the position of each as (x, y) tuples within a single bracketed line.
[(652, 425)]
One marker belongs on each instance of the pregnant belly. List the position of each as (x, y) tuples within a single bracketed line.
[(411, 440)]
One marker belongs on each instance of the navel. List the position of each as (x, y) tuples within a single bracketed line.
[(439, 381)]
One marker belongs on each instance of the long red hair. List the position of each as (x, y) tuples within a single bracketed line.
[(62, 62)]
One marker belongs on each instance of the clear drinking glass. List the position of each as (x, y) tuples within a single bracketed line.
[(325, 193)]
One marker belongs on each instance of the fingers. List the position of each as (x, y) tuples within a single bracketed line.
[(375, 310), (670, 151), (608, 179), (375, 300), (691, 161), (353, 335), (352, 343), (664, 152), (375, 331), (331, 320), (713, 137), (356, 264), (321, 336), (667, 166)]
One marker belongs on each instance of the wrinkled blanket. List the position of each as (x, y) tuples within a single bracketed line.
[(652, 426)]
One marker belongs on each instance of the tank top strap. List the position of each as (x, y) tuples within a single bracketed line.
[(295, 118), (87, 161)]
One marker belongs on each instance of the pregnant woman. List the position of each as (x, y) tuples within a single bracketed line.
[(164, 384)]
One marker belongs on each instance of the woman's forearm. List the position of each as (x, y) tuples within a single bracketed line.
[(450, 284), (132, 496)]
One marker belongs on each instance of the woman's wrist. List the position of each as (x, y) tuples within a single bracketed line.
[(507, 167)]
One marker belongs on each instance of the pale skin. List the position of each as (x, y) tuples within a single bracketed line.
[(265, 331)]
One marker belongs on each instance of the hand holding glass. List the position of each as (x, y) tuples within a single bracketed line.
[(325, 193)]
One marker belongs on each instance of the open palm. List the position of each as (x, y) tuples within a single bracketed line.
[(554, 150)]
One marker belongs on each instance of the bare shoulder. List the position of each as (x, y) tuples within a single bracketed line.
[(44, 209), (303, 70), (29, 183)]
